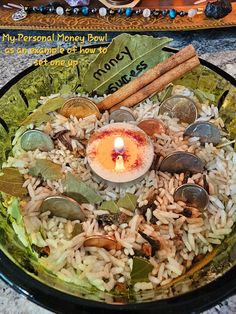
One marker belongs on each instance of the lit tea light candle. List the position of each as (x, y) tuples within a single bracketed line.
[(120, 152)]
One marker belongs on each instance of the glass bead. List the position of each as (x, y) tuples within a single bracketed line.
[(192, 12), (60, 11), (35, 9), (112, 12), (138, 11), (102, 12), (120, 11), (146, 13), (156, 12), (68, 11), (94, 10), (51, 9), (164, 12), (172, 13), (76, 11), (85, 11), (128, 12)]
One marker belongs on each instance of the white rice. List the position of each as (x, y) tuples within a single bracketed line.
[(181, 239)]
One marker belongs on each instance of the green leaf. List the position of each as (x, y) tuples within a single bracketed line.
[(129, 201), (47, 169), (5, 144), (204, 96), (141, 270), (12, 107), (11, 182), (127, 57), (14, 210), (73, 184), (40, 115), (228, 112), (111, 206)]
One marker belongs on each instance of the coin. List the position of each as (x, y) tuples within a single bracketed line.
[(206, 131), (80, 107), (102, 241), (193, 195), (179, 161), (121, 115), (181, 107), (63, 206), (152, 126)]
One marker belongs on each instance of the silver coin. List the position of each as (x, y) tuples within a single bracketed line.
[(193, 195), (63, 206), (181, 107), (36, 139), (121, 115), (179, 162), (206, 131), (19, 15)]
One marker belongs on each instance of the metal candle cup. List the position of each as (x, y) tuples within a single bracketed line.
[(120, 152)]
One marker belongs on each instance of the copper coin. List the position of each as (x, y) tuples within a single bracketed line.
[(152, 126), (80, 107), (181, 107), (102, 241)]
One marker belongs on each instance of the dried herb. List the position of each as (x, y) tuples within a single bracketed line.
[(129, 201), (126, 58), (155, 244), (111, 206), (11, 182), (141, 270), (40, 115), (78, 228), (73, 185), (47, 169)]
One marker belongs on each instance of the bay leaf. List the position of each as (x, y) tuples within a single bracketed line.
[(73, 184), (111, 206), (127, 57), (129, 201), (78, 228), (47, 169), (11, 182), (140, 271), (40, 115), (12, 108)]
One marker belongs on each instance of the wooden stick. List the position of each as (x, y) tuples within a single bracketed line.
[(146, 78), (159, 84)]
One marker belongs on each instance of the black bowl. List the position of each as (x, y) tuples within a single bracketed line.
[(205, 288)]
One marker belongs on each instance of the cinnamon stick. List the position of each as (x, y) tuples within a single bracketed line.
[(158, 84), (146, 78)]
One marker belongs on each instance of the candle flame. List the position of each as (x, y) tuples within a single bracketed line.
[(119, 144), (120, 166)]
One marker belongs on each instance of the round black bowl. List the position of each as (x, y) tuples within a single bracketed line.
[(207, 287)]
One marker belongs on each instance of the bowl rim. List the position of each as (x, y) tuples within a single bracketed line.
[(55, 300)]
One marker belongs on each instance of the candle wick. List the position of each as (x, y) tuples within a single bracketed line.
[(120, 166)]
